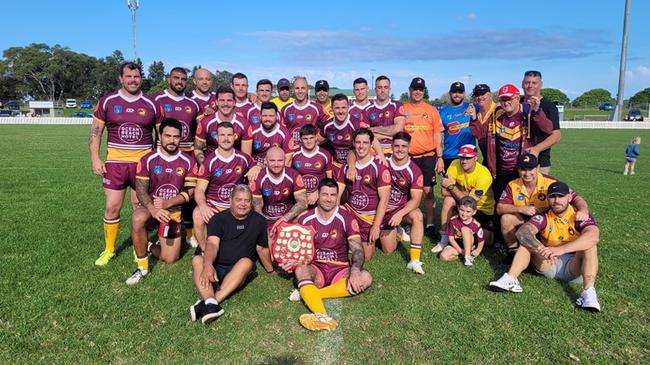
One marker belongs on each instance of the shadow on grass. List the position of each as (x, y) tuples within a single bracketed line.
[(404, 251), (282, 360), (615, 172)]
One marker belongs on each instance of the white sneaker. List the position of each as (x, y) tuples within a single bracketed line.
[(402, 235), (295, 296), (193, 242), (589, 300), (137, 276), (506, 283), (469, 261), (415, 266), (439, 247), (632, 173)]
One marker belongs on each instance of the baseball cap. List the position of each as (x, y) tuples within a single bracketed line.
[(467, 150), (558, 188), (417, 83), (480, 89), (457, 87), (507, 91), (322, 85), (282, 83), (527, 161)]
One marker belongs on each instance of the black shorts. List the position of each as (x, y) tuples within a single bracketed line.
[(428, 166), (223, 270), (448, 162), (486, 221)]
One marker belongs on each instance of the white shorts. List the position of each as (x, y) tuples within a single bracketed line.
[(560, 270)]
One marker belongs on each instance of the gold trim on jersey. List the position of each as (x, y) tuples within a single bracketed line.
[(117, 154)]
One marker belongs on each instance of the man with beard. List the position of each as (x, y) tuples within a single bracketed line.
[(559, 246), (385, 116), (202, 93), (455, 121), (302, 111), (271, 134), (312, 162), (129, 118), (322, 90), (239, 84), (264, 90), (284, 94), (165, 181), (360, 102)]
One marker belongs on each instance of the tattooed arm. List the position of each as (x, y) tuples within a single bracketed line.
[(258, 204), (199, 147), (94, 142), (526, 235), (355, 280), (142, 192)]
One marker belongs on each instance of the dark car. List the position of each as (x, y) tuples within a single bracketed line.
[(634, 114), (606, 106), (86, 105), (9, 113), (13, 105), (81, 115)]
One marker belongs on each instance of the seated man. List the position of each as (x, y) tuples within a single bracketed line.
[(566, 248), (464, 233), (236, 237), (467, 177), (526, 196), (332, 274)]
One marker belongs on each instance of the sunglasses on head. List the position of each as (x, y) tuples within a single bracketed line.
[(533, 73)]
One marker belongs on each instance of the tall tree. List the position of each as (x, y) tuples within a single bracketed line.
[(592, 98), (156, 73), (555, 95), (221, 78), (641, 99)]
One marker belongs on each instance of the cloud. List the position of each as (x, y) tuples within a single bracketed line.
[(318, 47), (470, 16), (642, 71)]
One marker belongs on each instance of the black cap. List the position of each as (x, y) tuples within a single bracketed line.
[(322, 85), (417, 83), (558, 188), (457, 87), (480, 89), (527, 161), (282, 83)]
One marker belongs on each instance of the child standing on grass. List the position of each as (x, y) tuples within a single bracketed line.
[(631, 154), (465, 234)]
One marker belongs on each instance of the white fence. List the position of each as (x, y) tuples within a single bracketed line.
[(566, 125)]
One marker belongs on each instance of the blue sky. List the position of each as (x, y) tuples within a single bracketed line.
[(576, 44)]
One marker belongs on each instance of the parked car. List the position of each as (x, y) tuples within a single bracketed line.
[(70, 103), (634, 114), (13, 105), (9, 113), (86, 105), (81, 115), (606, 106)]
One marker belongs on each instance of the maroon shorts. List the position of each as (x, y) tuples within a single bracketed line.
[(171, 229), (119, 175), (329, 273), (387, 217)]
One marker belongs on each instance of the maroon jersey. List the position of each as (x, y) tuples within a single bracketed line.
[(204, 101), (242, 109), (358, 114), (312, 166), (404, 179), (340, 137), (454, 229), (384, 116), (364, 190), (332, 235), (166, 174), (207, 130), (294, 117), (278, 194), (222, 174), (181, 108), (129, 122), (263, 140)]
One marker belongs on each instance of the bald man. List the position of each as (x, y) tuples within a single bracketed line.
[(202, 93)]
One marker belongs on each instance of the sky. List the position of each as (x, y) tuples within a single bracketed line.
[(575, 44)]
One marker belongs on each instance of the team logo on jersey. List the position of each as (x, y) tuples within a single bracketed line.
[(188, 109), (373, 116), (318, 165), (401, 181), (308, 117), (572, 231), (180, 171), (297, 164), (218, 172), (255, 119), (407, 115), (267, 192), (253, 186), (347, 138), (142, 112), (291, 144), (367, 179), (541, 196), (238, 170), (285, 191), (387, 114), (117, 109), (420, 180), (425, 116), (478, 193), (385, 176), (168, 108), (401, 109), (291, 117), (357, 116), (520, 197), (334, 234), (213, 135), (332, 137), (257, 144), (157, 170), (355, 225)]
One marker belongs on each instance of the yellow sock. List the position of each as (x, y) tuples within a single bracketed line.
[(189, 232), (143, 263), (111, 227), (309, 294), (416, 248), (338, 289)]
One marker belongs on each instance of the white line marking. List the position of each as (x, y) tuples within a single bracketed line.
[(330, 342)]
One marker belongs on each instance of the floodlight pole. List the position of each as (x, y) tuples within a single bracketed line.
[(133, 5), (618, 109)]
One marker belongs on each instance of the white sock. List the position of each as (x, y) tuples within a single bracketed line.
[(429, 225), (211, 301)]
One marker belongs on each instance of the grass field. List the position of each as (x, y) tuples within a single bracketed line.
[(56, 307)]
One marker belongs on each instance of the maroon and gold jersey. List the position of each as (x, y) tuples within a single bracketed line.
[(455, 226), (384, 116), (167, 175), (516, 193), (263, 140), (278, 194), (207, 131), (340, 137), (363, 192), (332, 235), (222, 174), (242, 109), (130, 122), (181, 108), (204, 101), (556, 230), (358, 114), (404, 180), (294, 117), (313, 166)]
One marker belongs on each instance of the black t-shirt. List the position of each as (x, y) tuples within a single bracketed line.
[(551, 113), (238, 238)]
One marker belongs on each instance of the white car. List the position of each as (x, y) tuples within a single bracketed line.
[(70, 103)]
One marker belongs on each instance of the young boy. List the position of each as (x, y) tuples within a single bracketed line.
[(465, 234), (631, 154)]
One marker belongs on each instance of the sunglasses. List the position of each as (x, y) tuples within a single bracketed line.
[(533, 73)]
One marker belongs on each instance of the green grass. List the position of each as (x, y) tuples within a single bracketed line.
[(57, 307), (595, 113)]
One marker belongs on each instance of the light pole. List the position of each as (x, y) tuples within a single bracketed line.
[(618, 110), (372, 78), (133, 5)]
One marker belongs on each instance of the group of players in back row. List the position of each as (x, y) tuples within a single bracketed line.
[(231, 166)]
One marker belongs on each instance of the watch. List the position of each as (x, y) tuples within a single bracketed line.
[(451, 187)]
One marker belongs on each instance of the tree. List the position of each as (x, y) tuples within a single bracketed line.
[(555, 95), (105, 76), (156, 73), (592, 98), (642, 98), (221, 79), (404, 97)]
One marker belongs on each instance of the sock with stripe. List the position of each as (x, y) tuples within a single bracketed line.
[(416, 248)]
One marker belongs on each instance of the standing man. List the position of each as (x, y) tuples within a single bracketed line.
[(532, 85), (165, 182), (313, 163), (424, 125), (129, 118), (264, 90), (236, 238), (270, 133), (239, 84), (284, 94), (455, 122), (360, 102), (202, 93), (322, 90), (302, 111), (385, 116), (484, 108)]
